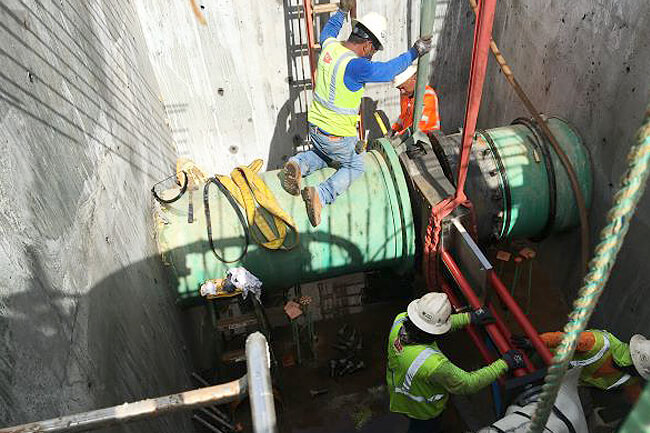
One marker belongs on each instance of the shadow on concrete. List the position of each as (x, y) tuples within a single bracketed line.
[(290, 130), (450, 67), (64, 353)]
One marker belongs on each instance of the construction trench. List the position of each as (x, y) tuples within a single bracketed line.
[(110, 243)]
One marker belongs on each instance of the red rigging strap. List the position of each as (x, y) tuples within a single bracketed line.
[(482, 35), (480, 51)]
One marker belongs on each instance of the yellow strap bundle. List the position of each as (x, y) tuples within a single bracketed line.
[(250, 191)]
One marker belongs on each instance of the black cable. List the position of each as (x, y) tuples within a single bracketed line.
[(543, 145), (507, 199), (208, 221), (565, 419), (180, 194)]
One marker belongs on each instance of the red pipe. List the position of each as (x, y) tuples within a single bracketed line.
[(499, 341), (499, 321), (471, 329), (507, 334), (487, 355), (520, 317)]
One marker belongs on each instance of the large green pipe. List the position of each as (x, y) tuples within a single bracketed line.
[(370, 226), (515, 176)]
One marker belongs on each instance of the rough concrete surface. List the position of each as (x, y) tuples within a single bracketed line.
[(587, 62), (234, 89), (86, 319)]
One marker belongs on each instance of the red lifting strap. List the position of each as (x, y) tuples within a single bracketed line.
[(482, 36)]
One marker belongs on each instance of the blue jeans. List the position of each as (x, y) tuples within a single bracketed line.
[(331, 151)]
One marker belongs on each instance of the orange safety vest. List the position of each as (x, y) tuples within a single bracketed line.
[(430, 115)]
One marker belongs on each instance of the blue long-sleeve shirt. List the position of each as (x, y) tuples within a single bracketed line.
[(361, 71)]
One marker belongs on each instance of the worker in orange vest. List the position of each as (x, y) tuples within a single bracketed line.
[(430, 120), (607, 363)]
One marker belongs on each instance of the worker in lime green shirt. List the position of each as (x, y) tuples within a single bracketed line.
[(607, 363), (419, 376)]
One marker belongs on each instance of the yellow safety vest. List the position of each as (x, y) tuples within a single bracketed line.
[(335, 108), (606, 345), (408, 377)]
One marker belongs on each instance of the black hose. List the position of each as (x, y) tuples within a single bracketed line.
[(180, 193), (208, 221), (507, 197)]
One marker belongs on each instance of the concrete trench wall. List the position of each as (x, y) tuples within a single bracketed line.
[(233, 89), (97, 100), (86, 318), (587, 62)]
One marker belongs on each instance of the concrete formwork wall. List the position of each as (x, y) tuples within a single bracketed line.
[(587, 62), (86, 319), (234, 88)]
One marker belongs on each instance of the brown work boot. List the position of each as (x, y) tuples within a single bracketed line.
[(291, 178), (314, 206)]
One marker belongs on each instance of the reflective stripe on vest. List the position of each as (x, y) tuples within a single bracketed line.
[(327, 42), (329, 102), (397, 323), (412, 371), (621, 381), (594, 358)]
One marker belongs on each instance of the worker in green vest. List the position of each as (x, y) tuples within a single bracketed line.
[(419, 376), (607, 363), (343, 70)]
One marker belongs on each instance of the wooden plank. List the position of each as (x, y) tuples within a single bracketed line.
[(324, 8)]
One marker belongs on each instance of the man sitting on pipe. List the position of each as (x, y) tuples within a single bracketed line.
[(419, 376), (343, 70), (430, 121)]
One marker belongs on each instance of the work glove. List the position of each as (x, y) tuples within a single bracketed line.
[(423, 45), (514, 359), (481, 316), (521, 342), (346, 5)]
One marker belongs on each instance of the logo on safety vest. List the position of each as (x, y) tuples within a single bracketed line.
[(327, 58)]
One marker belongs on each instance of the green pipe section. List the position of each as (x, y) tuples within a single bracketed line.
[(528, 179), (427, 17), (369, 227), (514, 175)]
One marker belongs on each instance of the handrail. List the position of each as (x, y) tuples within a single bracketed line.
[(260, 391), (259, 386)]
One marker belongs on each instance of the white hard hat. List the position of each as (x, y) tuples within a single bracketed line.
[(640, 351), (431, 313), (402, 77), (375, 24)]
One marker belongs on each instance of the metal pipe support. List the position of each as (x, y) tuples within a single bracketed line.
[(127, 412), (260, 391)]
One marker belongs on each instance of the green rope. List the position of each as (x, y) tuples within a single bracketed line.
[(611, 238)]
